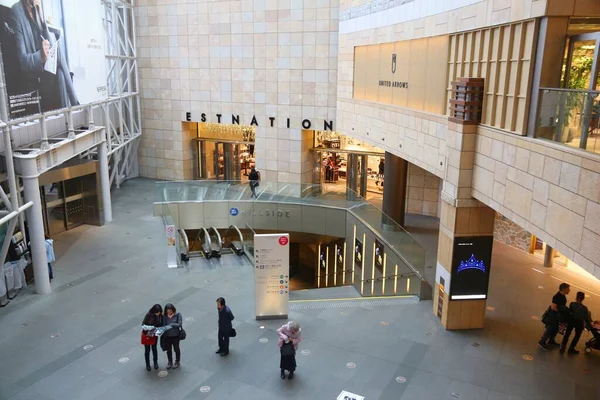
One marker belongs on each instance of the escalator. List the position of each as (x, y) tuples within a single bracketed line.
[(234, 240), (207, 244)]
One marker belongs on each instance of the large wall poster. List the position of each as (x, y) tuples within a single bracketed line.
[(53, 54)]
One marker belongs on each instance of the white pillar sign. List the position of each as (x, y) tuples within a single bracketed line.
[(271, 275), (171, 247)]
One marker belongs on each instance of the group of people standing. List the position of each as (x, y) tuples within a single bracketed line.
[(166, 328), (559, 318)]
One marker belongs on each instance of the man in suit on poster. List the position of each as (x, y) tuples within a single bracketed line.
[(34, 41)]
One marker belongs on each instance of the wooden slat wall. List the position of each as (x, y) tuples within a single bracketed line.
[(503, 56)]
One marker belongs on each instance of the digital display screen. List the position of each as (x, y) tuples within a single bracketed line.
[(471, 262), (378, 255), (358, 253)]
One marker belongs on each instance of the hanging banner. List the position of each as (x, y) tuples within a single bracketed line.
[(53, 54), (271, 276)]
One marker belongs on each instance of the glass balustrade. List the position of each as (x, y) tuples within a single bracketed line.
[(570, 117), (412, 253)]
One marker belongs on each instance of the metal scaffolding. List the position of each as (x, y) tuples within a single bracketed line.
[(119, 113)]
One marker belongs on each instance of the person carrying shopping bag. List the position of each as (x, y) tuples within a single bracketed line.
[(290, 336), (153, 320)]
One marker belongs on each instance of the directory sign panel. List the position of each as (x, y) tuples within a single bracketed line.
[(53, 54), (471, 261), (271, 275)]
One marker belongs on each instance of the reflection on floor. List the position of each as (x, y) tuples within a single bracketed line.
[(83, 340)]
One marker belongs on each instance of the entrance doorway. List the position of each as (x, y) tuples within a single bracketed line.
[(70, 198), (224, 152), (224, 160)]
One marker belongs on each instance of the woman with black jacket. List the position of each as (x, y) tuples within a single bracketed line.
[(171, 336), (152, 320)]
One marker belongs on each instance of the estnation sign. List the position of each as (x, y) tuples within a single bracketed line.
[(234, 119)]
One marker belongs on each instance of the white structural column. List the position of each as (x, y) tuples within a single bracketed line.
[(31, 187), (105, 180)]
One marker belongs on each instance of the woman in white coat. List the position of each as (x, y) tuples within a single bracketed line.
[(50, 255)]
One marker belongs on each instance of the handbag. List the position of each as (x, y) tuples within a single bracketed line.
[(287, 349), (232, 333), (148, 340), (182, 334), (545, 316)]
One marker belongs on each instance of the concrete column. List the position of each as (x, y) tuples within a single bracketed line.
[(394, 191), (363, 176), (351, 177), (105, 181), (549, 257), (459, 223), (31, 188)]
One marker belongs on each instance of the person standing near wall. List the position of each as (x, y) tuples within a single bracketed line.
[(50, 255)]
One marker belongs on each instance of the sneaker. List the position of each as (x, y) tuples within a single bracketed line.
[(542, 346), (169, 365), (573, 351), (176, 365)]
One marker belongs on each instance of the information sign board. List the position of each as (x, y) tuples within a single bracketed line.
[(271, 275)]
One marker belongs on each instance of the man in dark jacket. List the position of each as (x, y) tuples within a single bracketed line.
[(225, 326), (580, 316), (557, 313)]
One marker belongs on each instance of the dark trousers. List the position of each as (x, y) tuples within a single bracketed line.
[(253, 188), (578, 326), (154, 353), (172, 342), (549, 334), (50, 273), (224, 340)]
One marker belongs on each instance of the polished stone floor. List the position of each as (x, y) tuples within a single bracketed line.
[(82, 341)]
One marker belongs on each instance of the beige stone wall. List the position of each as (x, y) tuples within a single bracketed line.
[(550, 190), (263, 59), (423, 193), (509, 233)]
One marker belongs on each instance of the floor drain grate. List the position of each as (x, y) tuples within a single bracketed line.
[(308, 305)]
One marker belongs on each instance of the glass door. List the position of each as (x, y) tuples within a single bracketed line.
[(582, 62), (580, 108)]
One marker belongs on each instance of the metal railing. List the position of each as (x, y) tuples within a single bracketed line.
[(570, 117)]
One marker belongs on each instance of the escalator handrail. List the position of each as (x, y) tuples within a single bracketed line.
[(220, 241), (238, 231), (207, 239), (186, 241)]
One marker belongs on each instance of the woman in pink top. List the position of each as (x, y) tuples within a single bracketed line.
[(290, 336)]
